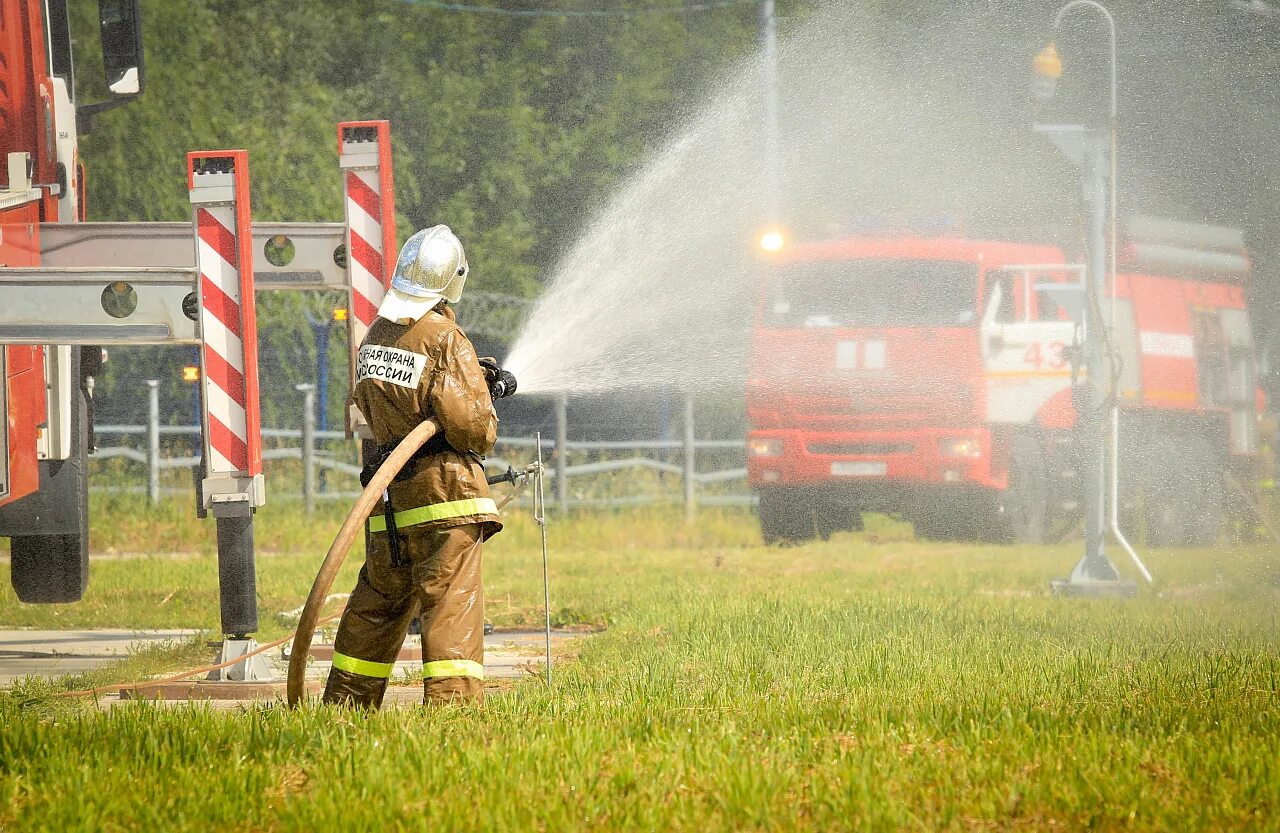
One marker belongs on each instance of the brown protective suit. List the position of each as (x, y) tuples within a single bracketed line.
[(407, 373)]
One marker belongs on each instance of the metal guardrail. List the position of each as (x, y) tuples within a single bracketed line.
[(314, 460)]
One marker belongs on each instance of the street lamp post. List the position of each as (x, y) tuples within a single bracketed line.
[(321, 331), (1111, 40), (1094, 151), (769, 93), (191, 375)]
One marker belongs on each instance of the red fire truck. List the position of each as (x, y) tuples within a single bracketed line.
[(46, 434), (932, 377)]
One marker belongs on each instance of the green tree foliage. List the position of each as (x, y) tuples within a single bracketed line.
[(511, 130)]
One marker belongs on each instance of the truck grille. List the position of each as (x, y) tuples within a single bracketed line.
[(905, 408), (853, 449)]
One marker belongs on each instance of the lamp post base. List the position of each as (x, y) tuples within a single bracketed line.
[(1095, 577), (1117, 589)]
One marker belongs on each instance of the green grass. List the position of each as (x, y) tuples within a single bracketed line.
[(871, 683), (176, 585)]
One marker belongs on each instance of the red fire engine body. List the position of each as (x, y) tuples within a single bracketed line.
[(42, 490), (932, 378)]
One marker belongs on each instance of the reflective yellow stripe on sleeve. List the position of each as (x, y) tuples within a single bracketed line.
[(363, 667), (453, 668), (436, 512)]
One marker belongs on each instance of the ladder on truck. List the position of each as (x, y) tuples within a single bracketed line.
[(194, 283)]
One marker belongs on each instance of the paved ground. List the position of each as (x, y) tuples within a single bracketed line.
[(508, 655), (54, 653)]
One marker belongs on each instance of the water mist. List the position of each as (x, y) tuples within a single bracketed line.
[(659, 291)]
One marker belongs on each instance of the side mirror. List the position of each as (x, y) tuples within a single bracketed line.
[(121, 32)]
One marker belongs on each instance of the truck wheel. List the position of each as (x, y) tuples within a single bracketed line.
[(836, 518), (1024, 504), (1203, 495), (49, 569), (928, 528), (1164, 496), (944, 520), (53, 568), (786, 518)]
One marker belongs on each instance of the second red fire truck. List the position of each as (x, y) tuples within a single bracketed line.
[(932, 377)]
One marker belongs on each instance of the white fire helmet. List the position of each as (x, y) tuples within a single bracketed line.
[(432, 264)]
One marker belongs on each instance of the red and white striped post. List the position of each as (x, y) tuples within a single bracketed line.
[(219, 184), (364, 154), (233, 485)]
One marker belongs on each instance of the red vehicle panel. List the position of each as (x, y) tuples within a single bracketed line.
[(20, 246), (1164, 335), (26, 413)]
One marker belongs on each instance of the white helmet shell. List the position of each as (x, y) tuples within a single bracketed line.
[(432, 263)]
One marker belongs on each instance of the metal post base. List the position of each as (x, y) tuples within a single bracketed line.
[(1095, 577), (1119, 589), (253, 670), (237, 577)]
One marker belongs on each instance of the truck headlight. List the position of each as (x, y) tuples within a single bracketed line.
[(764, 447), (960, 447)]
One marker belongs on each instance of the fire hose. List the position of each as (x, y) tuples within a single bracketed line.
[(333, 559), (310, 618)]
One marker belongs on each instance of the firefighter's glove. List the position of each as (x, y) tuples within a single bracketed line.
[(489, 366), (501, 382)]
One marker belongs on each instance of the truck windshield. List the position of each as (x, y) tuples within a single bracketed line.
[(873, 293)]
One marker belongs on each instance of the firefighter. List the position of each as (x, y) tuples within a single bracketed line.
[(423, 548)]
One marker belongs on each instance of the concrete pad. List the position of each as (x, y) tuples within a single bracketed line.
[(509, 655), (214, 690)]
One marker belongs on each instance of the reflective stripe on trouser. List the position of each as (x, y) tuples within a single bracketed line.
[(363, 667), (442, 580), (436, 512), (453, 668)]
